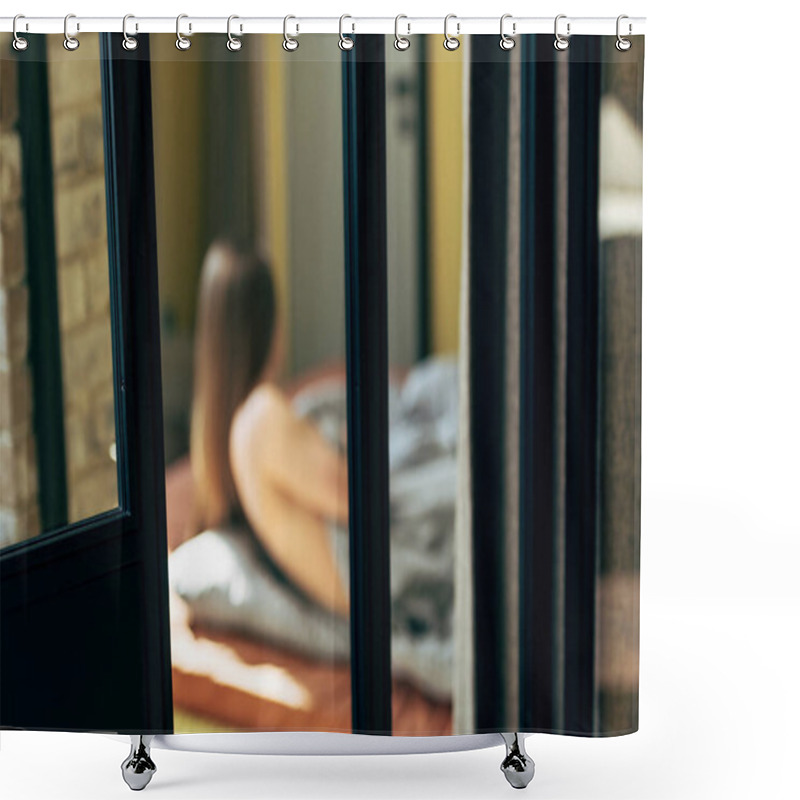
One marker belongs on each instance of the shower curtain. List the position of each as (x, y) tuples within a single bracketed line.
[(336, 348)]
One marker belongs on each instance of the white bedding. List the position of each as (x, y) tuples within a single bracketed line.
[(228, 581)]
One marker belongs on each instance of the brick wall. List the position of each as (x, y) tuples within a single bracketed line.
[(82, 254), (84, 317), (19, 513)]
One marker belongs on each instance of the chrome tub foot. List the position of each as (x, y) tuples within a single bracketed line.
[(517, 766), (138, 768)]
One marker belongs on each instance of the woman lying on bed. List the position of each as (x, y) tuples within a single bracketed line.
[(254, 460)]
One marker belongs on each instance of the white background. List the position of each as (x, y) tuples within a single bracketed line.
[(720, 605)]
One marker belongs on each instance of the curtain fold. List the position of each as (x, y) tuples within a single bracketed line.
[(398, 308), (549, 548)]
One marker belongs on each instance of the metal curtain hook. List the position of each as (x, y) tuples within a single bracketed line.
[(345, 42), (70, 42), (401, 42), (19, 43), (561, 42), (234, 44), (290, 43), (623, 44), (182, 43), (506, 42), (129, 42), (450, 42)]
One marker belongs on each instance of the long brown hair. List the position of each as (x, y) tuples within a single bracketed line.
[(233, 343)]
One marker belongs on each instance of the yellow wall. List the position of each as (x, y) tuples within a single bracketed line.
[(179, 153), (445, 155), (269, 108)]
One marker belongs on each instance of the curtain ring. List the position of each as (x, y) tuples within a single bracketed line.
[(506, 42), (345, 42), (19, 43), (450, 42), (561, 42), (70, 42), (290, 43), (401, 42), (129, 42), (234, 44), (182, 43), (622, 43)]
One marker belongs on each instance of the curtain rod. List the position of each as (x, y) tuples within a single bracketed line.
[(632, 26)]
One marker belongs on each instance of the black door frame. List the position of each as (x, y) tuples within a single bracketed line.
[(84, 609)]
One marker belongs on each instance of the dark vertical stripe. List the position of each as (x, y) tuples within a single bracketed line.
[(133, 265), (537, 377), (44, 351), (364, 135), (582, 471), (487, 333)]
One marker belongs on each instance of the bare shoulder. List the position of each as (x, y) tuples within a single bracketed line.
[(260, 424)]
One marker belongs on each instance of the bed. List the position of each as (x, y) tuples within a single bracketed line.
[(249, 684)]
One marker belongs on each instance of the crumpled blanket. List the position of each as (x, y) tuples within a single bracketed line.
[(228, 580)]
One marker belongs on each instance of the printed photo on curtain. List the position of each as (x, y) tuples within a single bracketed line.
[(383, 426)]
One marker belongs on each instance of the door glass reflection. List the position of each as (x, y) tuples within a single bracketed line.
[(57, 426)]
